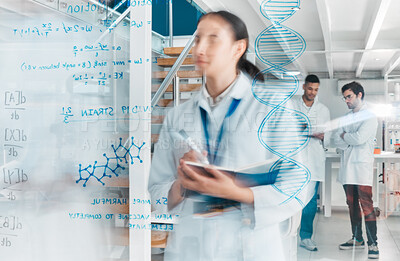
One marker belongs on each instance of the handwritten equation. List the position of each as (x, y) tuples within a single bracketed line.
[(12, 176), (46, 29), (68, 114), (14, 103), (87, 64), (95, 48), (9, 225), (98, 79)]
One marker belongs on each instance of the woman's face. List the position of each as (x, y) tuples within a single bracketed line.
[(215, 49)]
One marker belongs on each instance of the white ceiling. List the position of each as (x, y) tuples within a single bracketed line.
[(344, 38)]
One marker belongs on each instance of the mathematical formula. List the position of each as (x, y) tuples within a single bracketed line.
[(14, 103), (46, 29), (101, 112), (96, 48)]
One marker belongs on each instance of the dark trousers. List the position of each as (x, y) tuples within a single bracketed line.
[(357, 195)]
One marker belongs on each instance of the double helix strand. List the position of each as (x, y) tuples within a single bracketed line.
[(284, 131)]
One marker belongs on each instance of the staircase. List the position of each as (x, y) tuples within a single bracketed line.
[(189, 80)]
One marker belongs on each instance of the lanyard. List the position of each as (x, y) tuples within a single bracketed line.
[(203, 113)]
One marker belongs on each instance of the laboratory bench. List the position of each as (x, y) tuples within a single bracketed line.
[(384, 157)]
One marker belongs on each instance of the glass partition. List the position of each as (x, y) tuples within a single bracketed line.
[(64, 122)]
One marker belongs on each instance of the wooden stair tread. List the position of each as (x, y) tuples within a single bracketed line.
[(120, 237), (118, 209), (175, 51), (122, 182), (159, 239), (181, 74), (184, 87), (168, 62), (166, 103), (157, 119)]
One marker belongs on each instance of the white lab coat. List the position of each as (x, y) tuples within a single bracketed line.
[(357, 157), (249, 233), (314, 154)]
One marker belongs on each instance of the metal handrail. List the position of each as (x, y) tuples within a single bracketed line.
[(168, 79)]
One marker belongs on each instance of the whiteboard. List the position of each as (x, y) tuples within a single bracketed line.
[(64, 116)]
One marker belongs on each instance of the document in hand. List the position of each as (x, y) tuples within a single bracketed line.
[(251, 175)]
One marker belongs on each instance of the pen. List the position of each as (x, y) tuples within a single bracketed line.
[(194, 147)]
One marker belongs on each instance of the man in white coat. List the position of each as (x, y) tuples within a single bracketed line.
[(355, 137), (314, 154)]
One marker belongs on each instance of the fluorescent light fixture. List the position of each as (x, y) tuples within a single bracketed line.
[(293, 73)]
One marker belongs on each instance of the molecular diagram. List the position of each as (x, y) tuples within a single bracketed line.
[(284, 131), (121, 154)]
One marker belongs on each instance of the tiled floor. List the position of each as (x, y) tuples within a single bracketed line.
[(332, 231)]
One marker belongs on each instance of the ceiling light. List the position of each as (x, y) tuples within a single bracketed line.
[(377, 59), (292, 73), (296, 8)]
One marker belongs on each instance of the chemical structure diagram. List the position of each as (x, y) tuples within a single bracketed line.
[(121, 154)]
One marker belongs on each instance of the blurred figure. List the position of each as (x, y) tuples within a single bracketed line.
[(223, 115), (355, 137), (314, 154)]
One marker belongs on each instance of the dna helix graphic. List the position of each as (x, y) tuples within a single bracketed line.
[(284, 131)]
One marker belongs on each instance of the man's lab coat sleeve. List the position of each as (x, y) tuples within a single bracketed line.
[(337, 140), (163, 170), (326, 118), (364, 132)]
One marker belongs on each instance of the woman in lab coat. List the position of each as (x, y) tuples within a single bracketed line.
[(225, 115)]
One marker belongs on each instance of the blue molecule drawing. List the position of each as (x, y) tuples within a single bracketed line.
[(121, 155), (284, 131)]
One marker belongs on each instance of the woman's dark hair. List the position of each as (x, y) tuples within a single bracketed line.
[(354, 87), (239, 30)]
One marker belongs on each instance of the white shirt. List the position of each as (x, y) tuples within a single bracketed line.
[(314, 153), (219, 98)]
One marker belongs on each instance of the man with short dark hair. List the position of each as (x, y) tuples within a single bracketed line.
[(313, 154), (355, 137)]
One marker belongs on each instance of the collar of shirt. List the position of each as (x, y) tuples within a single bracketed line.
[(313, 105), (220, 97), (364, 107), (237, 90)]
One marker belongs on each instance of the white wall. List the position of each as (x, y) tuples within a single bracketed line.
[(329, 95)]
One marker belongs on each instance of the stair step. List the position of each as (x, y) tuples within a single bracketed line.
[(181, 74), (183, 87), (120, 237), (159, 239), (120, 182), (119, 209), (169, 62), (157, 119), (174, 51)]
